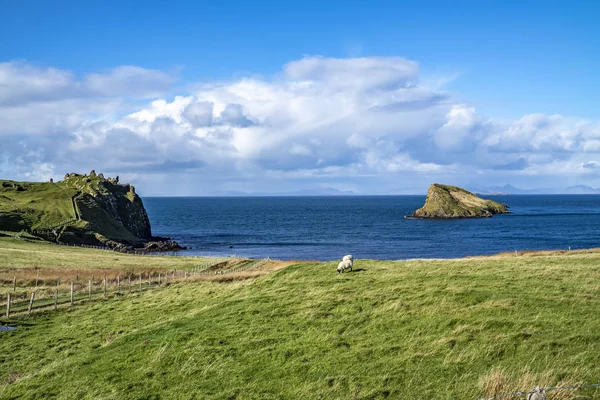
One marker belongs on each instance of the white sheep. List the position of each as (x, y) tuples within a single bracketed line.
[(344, 264), (348, 257)]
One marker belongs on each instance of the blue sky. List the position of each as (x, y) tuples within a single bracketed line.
[(519, 79)]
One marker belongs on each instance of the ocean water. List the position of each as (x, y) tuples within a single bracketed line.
[(326, 228)]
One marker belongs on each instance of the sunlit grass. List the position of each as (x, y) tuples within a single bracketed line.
[(423, 329)]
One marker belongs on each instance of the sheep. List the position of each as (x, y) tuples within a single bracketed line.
[(345, 264), (348, 257)]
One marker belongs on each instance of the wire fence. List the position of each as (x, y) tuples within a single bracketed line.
[(25, 301)]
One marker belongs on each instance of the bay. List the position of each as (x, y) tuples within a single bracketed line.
[(326, 228)]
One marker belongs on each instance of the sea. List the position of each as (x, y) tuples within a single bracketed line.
[(374, 227)]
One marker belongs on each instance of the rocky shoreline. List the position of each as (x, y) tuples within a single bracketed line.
[(155, 245)]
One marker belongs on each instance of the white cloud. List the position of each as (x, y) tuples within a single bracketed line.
[(24, 84), (461, 121), (365, 122), (129, 80), (299, 149)]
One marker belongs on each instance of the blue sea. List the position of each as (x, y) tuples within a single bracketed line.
[(326, 228)]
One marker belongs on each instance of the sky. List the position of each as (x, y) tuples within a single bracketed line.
[(378, 97)]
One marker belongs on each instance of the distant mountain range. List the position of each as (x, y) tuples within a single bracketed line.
[(489, 190), (509, 189), (302, 192)]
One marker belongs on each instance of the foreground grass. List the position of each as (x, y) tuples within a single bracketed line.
[(405, 330)]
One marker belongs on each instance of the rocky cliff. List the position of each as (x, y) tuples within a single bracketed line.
[(81, 209), (444, 201)]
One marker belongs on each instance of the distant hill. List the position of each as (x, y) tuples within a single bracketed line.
[(301, 192), (81, 209), (509, 189), (581, 189)]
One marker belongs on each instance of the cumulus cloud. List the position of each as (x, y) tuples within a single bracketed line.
[(363, 123), (23, 84), (199, 113), (129, 81)]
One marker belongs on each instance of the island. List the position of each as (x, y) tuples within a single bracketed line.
[(79, 210), (445, 201)]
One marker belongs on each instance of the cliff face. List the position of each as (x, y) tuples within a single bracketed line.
[(115, 211), (444, 201)]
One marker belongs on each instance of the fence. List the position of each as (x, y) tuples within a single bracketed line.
[(85, 290)]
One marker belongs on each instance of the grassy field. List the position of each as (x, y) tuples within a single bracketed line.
[(453, 329), (18, 254), (25, 205)]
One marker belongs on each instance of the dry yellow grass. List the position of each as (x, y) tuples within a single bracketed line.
[(499, 381)]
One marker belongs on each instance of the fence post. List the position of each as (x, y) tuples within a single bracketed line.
[(140, 281), (37, 277), (118, 284), (8, 306), (14, 284), (105, 287), (71, 293), (149, 281), (159, 279), (89, 290), (129, 282), (55, 299), (184, 274), (31, 303)]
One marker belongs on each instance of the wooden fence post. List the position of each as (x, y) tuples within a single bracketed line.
[(71, 293), (118, 284), (129, 282), (184, 274), (14, 284), (55, 299), (37, 277), (31, 303), (89, 290), (140, 281), (8, 306), (159, 279), (149, 281), (104, 286)]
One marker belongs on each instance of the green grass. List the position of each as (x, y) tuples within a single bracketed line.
[(17, 254), (398, 330), (35, 205)]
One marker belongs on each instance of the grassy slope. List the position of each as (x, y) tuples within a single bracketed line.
[(419, 329), (38, 206), (17, 254)]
